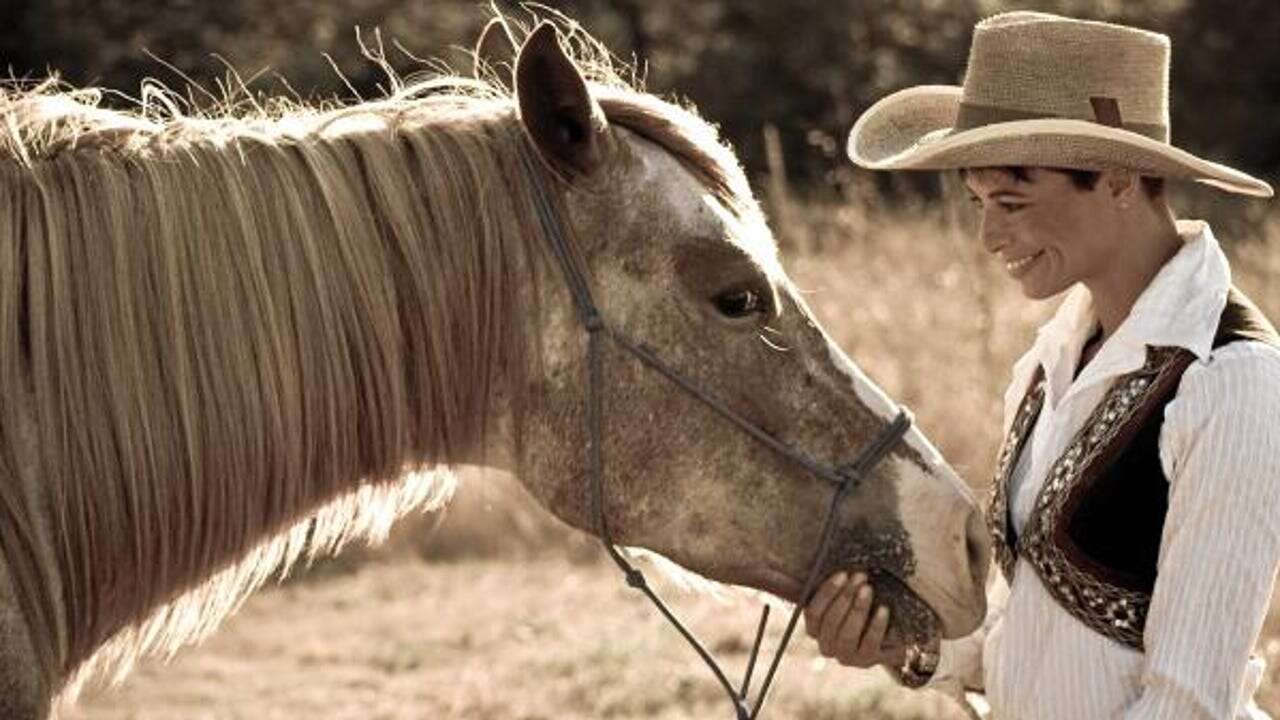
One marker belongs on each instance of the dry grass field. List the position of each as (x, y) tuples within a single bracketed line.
[(498, 612)]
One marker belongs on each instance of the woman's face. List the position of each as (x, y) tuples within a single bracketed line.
[(1048, 233)]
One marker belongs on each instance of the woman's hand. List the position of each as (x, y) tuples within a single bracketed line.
[(841, 619)]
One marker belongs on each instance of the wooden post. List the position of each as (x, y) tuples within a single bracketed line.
[(778, 193)]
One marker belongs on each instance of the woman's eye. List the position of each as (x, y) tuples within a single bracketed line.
[(736, 304), (1008, 207)]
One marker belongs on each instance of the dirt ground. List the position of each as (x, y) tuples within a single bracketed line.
[(538, 639)]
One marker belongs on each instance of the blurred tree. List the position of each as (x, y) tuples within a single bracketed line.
[(1226, 75), (117, 43), (808, 67)]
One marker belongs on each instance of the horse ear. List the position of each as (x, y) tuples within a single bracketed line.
[(557, 109)]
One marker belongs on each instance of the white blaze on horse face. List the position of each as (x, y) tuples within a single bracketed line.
[(877, 402), (948, 539), (701, 214), (939, 512)]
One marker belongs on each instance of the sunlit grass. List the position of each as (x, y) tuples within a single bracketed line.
[(497, 611)]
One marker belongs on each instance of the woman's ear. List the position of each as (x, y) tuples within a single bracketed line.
[(557, 110), (1124, 186)]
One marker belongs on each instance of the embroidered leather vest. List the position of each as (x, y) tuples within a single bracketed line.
[(1094, 533)]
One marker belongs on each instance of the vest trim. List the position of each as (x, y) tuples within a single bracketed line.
[(1109, 600)]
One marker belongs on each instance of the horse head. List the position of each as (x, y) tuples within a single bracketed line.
[(679, 258)]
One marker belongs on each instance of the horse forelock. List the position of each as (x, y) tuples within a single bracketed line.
[(245, 336)]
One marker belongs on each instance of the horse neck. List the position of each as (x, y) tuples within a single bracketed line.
[(289, 330)]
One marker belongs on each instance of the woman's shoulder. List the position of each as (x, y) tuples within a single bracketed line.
[(1238, 383), (1242, 361), (1221, 430)]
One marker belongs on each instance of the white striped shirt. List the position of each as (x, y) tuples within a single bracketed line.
[(1220, 450)]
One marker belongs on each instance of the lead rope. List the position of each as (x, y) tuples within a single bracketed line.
[(845, 477), (635, 578), (853, 473)]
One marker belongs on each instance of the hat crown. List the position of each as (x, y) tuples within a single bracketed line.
[(1042, 65), (1043, 91)]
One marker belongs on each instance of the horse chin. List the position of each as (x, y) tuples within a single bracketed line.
[(911, 620)]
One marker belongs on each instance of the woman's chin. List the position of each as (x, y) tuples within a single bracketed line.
[(1032, 290)]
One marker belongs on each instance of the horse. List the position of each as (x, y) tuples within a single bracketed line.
[(231, 341)]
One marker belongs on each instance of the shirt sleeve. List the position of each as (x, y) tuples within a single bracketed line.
[(1220, 448)]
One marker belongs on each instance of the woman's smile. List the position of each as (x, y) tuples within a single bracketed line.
[(1021, 266)]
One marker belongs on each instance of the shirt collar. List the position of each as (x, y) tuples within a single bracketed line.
[(1180, 307), (1183, 304)]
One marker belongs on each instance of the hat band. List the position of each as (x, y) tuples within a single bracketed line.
[(973, 115)]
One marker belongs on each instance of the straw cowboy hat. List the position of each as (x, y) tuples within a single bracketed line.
[(1048, 91)]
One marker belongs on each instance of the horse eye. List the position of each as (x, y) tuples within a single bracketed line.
[(740, 303)]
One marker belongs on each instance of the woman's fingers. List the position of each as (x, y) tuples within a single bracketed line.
[(846, 648), (837, 617), (845, 621), (817, 607), (873, 638)]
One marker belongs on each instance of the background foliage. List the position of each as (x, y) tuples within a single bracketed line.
[(807, 67)]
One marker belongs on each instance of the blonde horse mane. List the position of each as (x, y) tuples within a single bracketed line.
[(240, 340)]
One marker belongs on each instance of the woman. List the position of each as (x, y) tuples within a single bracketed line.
[(1136, 509)]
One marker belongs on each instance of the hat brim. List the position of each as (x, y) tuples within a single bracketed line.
[(913, 129)]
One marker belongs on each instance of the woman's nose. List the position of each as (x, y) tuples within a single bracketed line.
[(991, 231)]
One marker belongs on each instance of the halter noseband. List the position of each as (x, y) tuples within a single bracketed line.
[(844, 477)]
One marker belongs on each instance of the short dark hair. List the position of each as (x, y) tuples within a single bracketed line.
[(1152, 185)]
